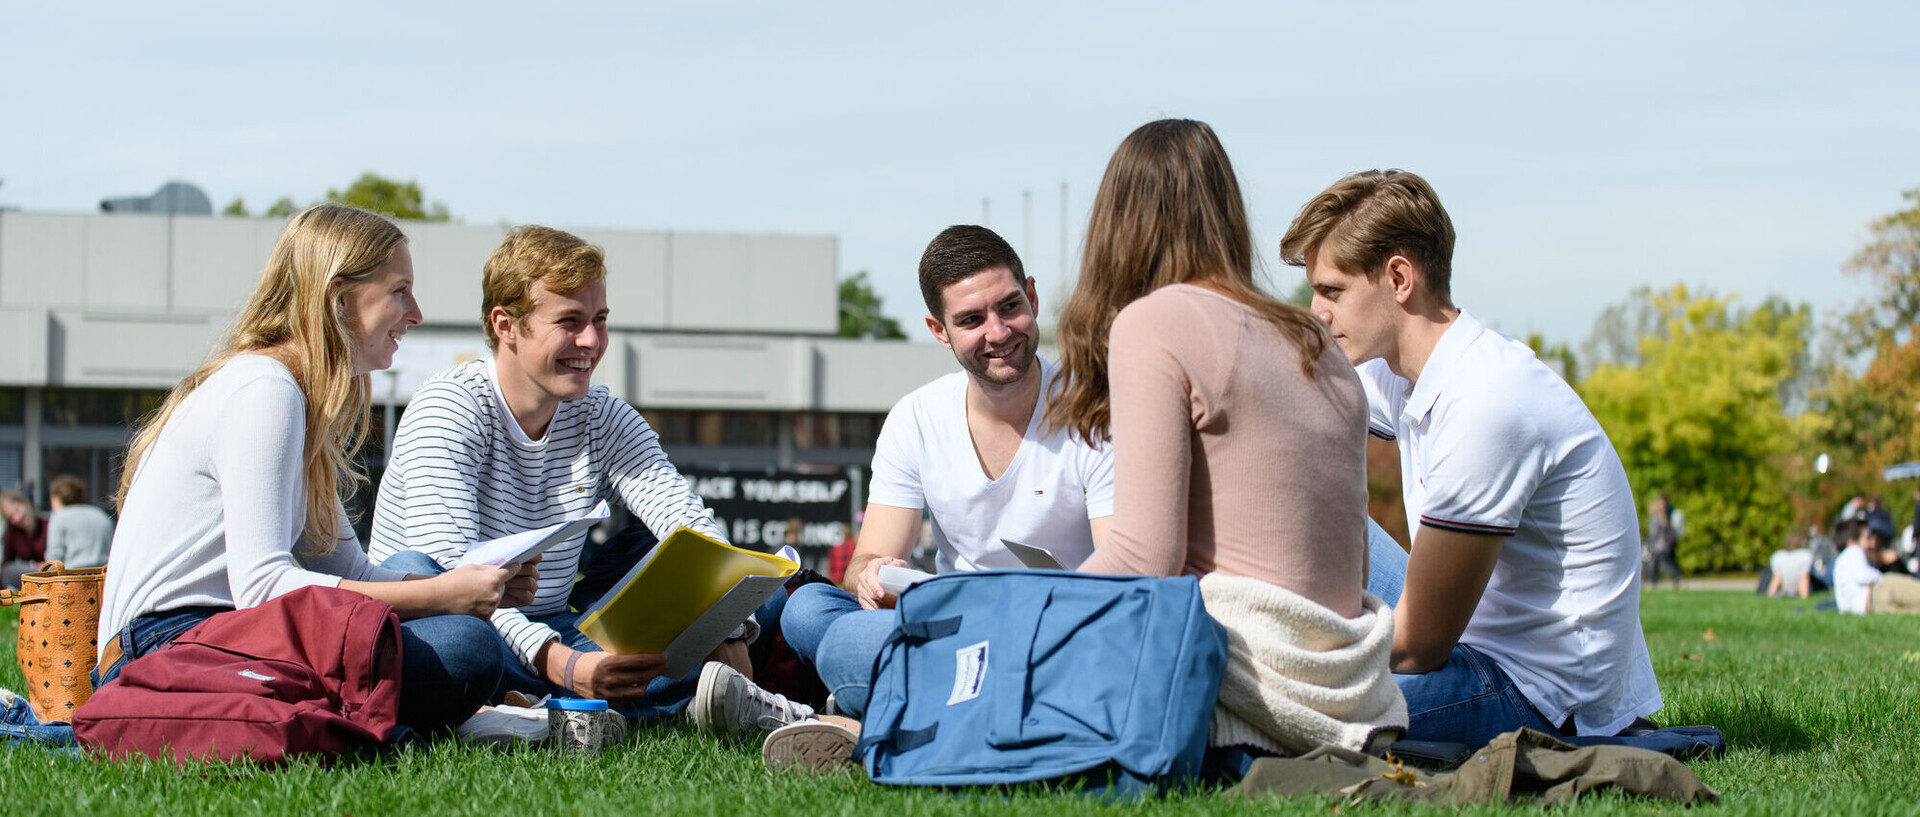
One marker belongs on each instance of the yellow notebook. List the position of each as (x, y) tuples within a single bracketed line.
[(683, 598)]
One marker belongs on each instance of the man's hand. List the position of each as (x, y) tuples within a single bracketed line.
[(617, 679), (868, 590), (471, 590), (525, 583), (1447, 571)]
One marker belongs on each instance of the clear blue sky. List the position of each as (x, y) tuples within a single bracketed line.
[(1582, 151)]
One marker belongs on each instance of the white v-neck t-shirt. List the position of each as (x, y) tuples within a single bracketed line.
[(925, 458)]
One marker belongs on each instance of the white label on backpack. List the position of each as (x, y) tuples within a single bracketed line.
[(969, 673), (247, 673)]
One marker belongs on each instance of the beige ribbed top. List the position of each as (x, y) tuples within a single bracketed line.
[(1227, 458)]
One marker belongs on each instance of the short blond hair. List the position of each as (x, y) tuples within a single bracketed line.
[(565, 263)]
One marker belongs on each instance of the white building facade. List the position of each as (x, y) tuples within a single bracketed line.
[(723, 341)]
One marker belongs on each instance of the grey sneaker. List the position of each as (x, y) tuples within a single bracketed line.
[(817, 745), (726, 703), (505, 725)]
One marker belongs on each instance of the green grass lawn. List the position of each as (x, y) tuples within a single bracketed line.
[(1822, 712)]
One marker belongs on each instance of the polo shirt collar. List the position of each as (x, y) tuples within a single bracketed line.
[(1441, 366)]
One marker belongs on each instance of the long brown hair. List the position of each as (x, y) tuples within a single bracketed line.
[(294, 315), (1168, 212)]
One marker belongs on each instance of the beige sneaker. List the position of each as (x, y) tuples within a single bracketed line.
[(816, 745)]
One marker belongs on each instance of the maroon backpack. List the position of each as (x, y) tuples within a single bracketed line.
[(315, 671)]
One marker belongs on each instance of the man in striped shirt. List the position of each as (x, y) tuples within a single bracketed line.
[(523, 440), (1521, 598)]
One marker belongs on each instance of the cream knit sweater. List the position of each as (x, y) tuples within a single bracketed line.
[(1299, 675)]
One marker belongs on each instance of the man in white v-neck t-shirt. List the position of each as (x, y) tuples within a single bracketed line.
[(1048, 494), (971, 450)]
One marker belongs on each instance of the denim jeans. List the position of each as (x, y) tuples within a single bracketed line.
[(665, 697), (1469, 700), (150, 632), (20, 727), (827, 627), (1386, 565)]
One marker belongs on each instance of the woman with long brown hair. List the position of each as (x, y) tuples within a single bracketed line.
[(1238, 432), (231, 494)]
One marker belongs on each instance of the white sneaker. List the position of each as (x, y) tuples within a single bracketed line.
[(505, 725), (726, 703), (816, 745)]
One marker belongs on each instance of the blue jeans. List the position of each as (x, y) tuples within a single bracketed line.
[(1469, 700), (20, 727), (1386, 565), (665, 697), (150, 632), (826, 627)]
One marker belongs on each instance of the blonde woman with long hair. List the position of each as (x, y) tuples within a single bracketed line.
[(1238, 433), (231, 493)]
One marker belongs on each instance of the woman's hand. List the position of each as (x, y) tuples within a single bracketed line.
[(473, 590)]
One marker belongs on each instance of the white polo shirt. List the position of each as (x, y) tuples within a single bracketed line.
[(1493, 442), (925, 459)]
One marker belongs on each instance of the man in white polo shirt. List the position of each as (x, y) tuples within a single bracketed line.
[(1521, 601)]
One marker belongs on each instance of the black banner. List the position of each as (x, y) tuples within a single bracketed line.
[(756, 508)]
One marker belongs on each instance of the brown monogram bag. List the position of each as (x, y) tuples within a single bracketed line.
[(59, 620)]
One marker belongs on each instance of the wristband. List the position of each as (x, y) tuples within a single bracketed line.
[(566, 675)]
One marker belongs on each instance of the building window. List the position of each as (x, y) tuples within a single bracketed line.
[(858, 430), (96, 466), (72, 408), (714, 428), (12, 412)]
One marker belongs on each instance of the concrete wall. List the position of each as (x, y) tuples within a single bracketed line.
[(707, 321)]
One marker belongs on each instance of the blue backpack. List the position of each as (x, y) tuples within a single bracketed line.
[(1016, 676)]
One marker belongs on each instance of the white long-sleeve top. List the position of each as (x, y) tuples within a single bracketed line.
[(463, 471), (218, 503)]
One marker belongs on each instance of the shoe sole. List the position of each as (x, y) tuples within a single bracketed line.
[(809, 747), (709, 700)]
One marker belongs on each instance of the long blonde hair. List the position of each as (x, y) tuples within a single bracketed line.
[(1168, 211), (294, 315)]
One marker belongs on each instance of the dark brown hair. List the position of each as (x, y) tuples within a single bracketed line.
[(68, 489), (961, 252)]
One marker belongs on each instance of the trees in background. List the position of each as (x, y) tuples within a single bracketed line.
[(389, 197), (1720, 407), (1871, 416), (860, 315), (1699, 413), (371, 191)]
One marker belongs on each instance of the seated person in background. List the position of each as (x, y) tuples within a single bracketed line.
[(26, 538), (970, 449), (1861, 588), (1521, 603), (78, 534), (1791, 568), (231, 495), (522, 440)]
